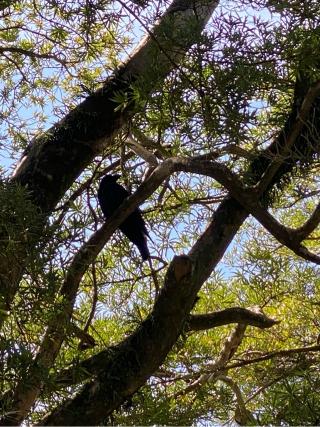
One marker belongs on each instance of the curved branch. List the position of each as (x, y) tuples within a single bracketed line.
[(249, 199), (230, 346), (32, 54), (290, 138), (146, 348), (27, 392), (197, 322), (200, 322), (310, 225)]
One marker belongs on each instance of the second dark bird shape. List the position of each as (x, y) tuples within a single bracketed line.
[(110, 196)]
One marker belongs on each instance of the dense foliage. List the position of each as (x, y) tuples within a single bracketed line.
[(244, 81)]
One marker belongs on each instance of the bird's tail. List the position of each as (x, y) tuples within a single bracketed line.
[(144, 250)]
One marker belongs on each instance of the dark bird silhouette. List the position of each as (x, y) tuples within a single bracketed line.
[(110, 196)]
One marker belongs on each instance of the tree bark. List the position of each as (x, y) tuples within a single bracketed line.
[(196, 322), (130, 364), (134, 360), (56, 158)]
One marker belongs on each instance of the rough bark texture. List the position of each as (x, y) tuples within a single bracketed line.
[(92, 366), (56, 158), (200, 322), (132, 362), (136, 356), (147, 347)]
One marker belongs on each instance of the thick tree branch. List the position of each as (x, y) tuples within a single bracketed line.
[(285, 235), (248, 198), (199, 322), (56, 158), (290, 137), (26, 392), (196, 322)]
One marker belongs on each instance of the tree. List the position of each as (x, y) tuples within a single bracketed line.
[(218, 125)]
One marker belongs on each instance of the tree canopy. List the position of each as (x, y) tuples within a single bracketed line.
[(210, 113)]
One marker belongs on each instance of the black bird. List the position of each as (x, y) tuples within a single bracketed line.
[(110, 196)]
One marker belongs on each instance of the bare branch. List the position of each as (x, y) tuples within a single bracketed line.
[(150, 144), (248, 198), (142, 152), (32, 54), (199, 322), (242, 415), (212, 374), (26, 393)]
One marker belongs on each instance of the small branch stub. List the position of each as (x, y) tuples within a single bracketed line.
[(181, 267)]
